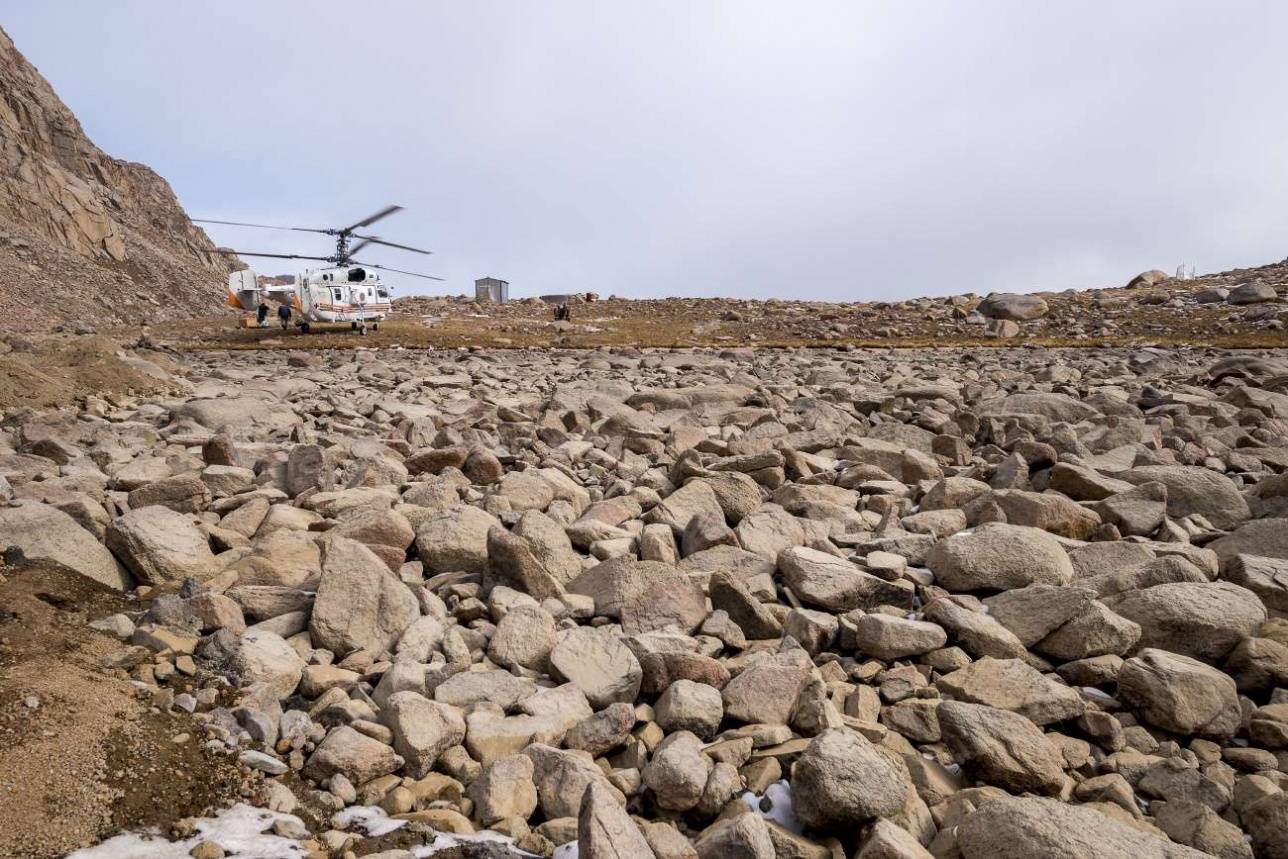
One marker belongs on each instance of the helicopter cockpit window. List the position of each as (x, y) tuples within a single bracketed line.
[(357, 275)]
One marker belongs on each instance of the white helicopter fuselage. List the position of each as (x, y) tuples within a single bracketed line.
[(336, 294), (341, 294)]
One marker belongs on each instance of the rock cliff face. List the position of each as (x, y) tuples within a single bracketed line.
[(86, 238)]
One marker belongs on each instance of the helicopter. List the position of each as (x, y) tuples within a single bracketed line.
[(345, 291)]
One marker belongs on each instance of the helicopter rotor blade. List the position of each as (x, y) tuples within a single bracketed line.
[(371, 219), (359, 246), (260, 226), (380, 241), (276, 256), (398, 270)]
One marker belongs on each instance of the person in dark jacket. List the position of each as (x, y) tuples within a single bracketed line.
[(284, 314), (261, 313)]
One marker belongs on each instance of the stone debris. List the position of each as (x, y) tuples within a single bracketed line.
[(971, 603)]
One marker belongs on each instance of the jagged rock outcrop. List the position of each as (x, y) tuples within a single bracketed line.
[(84, 237)]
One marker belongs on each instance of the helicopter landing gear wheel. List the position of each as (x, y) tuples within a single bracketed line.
[(375, 326), (353, 326), (304, 328)]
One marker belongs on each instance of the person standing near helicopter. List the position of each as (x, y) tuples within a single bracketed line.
[(284, 314)]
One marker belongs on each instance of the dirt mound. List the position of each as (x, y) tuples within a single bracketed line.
[(54, 371), (81, 755)]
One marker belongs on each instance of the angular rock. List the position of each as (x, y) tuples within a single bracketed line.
[(889, 638), (599, 664), (1204, 620), (1180, 694), (1001, 747), (159, 545), (836, 584), (360, 605), (45, 533), (999, 557), (1023, 827), (842, 780), (422, 729), (1010, 684), (355, 756), (606, 831)]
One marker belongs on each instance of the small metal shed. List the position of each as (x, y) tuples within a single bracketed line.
[(491, 289)]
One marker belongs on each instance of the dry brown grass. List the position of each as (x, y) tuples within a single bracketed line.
[(634, 331)]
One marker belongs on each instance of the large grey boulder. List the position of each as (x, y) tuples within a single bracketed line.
[(694, 498), (1195, 490), (599, 664), (1255, 292), (1029, 827), (455, 540), (1011, 684), (360, 604), (45, 533), (238, 413), (354, 755), (1200, 619), (1180, 694), (1048, 511), (890, 638), (1012, 306), (605, 830), (265, 657), (1056, 407), (677, 772), (979, 634), (422, 729), (182, 493), (562, 778), (841, 780), (1001, 748), (620, 582), (743, 836), (835, 584), (1264, 538), (159, 545), (523, 638), (997, 557)]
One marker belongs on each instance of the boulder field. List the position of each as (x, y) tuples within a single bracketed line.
[(709, 603)]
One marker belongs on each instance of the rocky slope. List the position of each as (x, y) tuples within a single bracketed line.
[(965, 604), (85, 238)]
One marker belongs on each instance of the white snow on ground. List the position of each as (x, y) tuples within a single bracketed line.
[(370, 819), (567, 851), (445, 840), (239, 830), (780, 794)]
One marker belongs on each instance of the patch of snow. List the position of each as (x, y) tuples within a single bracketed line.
[(1097, 694), (779, 796), (239, 830), (370, 819), (567, 851), (446, 840)]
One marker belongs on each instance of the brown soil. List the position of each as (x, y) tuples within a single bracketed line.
[(633, 331), (54, 371), (93, 758)]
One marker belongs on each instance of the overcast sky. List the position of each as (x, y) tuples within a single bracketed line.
[(843, 151)]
